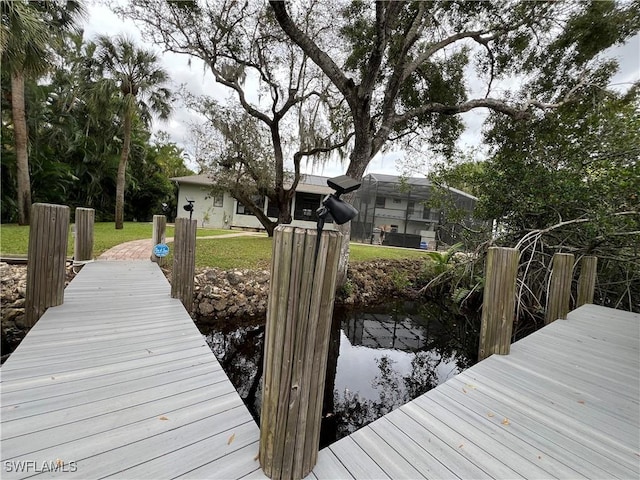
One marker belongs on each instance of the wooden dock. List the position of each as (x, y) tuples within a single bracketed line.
[(118, 382), (563, 404)]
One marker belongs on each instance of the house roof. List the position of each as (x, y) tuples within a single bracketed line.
[(203, 179), (307, 184), (318, 184), (415, 181)]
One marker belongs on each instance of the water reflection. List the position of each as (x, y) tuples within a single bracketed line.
[(379, 359)]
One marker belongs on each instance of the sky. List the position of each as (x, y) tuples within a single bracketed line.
[(101, 20)]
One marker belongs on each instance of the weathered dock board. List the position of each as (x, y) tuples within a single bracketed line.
[(564, 404), (119, 381)]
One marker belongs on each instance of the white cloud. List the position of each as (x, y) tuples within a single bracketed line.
[(628, 56)]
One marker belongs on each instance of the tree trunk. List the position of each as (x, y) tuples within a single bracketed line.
[(284, 207), (258, 212), (357, 164), (21, 145), (122, 172)]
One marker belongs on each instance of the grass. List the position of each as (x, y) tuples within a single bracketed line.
[(228, 253), (14, 239), (364, 253), (255, 253)]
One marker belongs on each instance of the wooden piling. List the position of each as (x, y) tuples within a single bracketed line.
[(184, 261), (587, 280), (559, 288), (299, 317), (83, 243), (46, 262), (159, 235), (499, 301)]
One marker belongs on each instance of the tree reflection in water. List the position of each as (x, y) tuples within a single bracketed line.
[(379, 359)]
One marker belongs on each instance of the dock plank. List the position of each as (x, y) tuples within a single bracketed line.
[(390, 461), (411, 450), (355, 460), (329, 467), (533, 428)]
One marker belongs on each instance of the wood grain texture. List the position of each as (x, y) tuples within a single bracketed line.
[(298, 322), (83, 242), (159, 235), (559, 294), (184, 261), (47, 256), (499, 301), (587, 280)]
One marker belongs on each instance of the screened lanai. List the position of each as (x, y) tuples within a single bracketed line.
[(396, 211)]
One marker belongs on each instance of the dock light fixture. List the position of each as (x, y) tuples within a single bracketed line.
[(333, 205), (340, 211), (189, 207)]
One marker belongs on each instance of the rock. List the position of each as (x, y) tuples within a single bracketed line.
[(9, 315), (220, 305), (241, 300), (20, 322), (205, 308), (238, 293), (235, 277)]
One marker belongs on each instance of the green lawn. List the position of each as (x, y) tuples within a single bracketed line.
[(226, 253), (238, 252), (14, 239), (363, 253), (255, 253)]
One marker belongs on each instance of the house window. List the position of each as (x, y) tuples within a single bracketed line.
[(397, 200), (306, 206), (411, 208), (218, 200), (380, 201), (273, 211), (426, 213), (242, 210)]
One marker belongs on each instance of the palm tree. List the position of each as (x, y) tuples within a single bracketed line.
[(27, 32), (140, 78)]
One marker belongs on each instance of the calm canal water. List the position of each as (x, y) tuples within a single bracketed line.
[(379, 359)]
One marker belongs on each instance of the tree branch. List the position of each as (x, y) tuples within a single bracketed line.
[(424, 56), (320, 58), (539, 232), (386, 12), (491, 103), (316, 150)]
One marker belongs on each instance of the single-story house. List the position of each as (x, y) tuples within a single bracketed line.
[(224, 211)]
